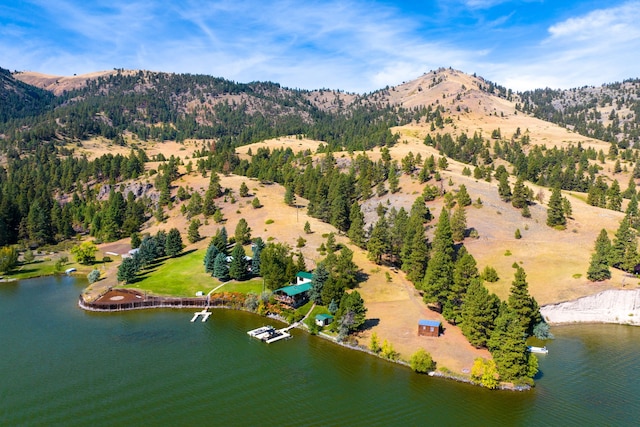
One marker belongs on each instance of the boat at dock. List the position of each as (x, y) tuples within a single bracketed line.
[(539, 350), (269, 334)]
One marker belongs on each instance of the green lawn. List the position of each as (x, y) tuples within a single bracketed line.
[(181, 276), (184, 275), (35, 269)]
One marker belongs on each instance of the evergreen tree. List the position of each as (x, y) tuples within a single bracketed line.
[(256, 248), (244, 190), (614, 197), (458, 224), (242, 232), (464, 199), (356, 228), (193, 234), (439, 275), (147, 251), (624, 238), (504, 190), (210, 258), (508, 348), (522, 304), (352, 308), (220, 240), (555, 213), (465, 271), (632, 212), (478, 313), (127, 270), (394, 181), (238, 267), (276, 266), (519, 198), (289, 196), (173, 245), (320, 276), (415, 254), (307, 227), (220, 267), (161, 243), (599, 266), (379, 242)]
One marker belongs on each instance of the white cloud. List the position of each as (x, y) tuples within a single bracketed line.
[(616, 24)]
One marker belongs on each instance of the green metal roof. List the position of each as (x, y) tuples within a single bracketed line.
[(305, 275), (323, 316), (294, 290)]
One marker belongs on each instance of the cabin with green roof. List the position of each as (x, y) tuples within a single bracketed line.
[(296, 294)]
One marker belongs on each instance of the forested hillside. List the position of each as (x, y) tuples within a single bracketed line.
[(610, 112)]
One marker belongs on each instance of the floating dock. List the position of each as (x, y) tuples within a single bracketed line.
[(204, 313), (269, 334)]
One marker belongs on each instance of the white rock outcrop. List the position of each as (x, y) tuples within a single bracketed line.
[(612, 306)]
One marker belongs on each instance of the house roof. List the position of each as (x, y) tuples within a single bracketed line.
[(304, 275), (294, 290), (424, 322), (323, 316)]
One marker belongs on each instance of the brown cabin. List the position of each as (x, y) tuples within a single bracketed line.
[(428, 328)]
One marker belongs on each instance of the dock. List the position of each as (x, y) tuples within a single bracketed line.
[(204, 313), (269, 334)]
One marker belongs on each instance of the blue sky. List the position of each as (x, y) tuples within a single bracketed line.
[(353, 45)]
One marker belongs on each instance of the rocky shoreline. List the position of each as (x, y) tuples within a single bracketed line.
[(611, 306)]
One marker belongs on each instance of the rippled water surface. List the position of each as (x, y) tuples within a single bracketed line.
[(62, 366)]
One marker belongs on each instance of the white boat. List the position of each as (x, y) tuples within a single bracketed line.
[(539, 350), (276, 335)]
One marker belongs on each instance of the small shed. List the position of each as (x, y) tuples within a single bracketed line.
[(428, 328), (323, 319)]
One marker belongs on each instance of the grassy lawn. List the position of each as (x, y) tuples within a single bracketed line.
[(181, 276), (35, 269), (184, 275), (253, 285)]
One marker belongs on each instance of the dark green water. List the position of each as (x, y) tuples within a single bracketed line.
[(62, 366)]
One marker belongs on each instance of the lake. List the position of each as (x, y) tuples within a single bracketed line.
[(60, 365)]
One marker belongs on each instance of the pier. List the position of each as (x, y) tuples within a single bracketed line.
[(204, 313)]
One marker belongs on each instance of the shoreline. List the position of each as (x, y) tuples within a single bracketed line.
[(614, 306)]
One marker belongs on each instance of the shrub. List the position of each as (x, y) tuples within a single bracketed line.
[(542, 331), (489, 274), (422, 362), (93, 276), (269, 221)]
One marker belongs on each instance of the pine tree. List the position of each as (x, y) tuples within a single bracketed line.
[(289, 196), (555, 213), (220, 267), (244, 190), (352, 307), (393, 178), (464, 199), (459, 224), (632, 212), (193, 234), (522, 303), (519, 198), (439, 275), (614, 197), (242, 232), (379, 244), (508, 347), (504, 190), (478, 313), (127, 270), (239, 265), (210, 258), (173, 245), (320, 276), (465, 271), (256, 248), (220, 240), (599, 266), (621, 243)]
